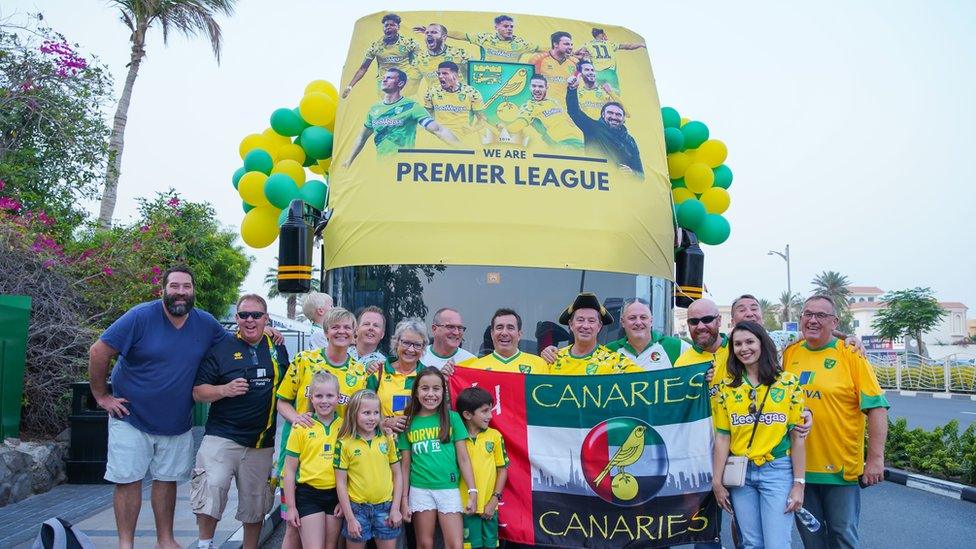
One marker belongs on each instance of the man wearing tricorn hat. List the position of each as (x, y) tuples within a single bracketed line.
[(585, 317)]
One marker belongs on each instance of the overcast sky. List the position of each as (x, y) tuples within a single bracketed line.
[(848, 123)]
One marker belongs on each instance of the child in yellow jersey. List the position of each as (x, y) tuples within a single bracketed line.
[(489, 463), (755, 411), (368, 480), (309, 473)]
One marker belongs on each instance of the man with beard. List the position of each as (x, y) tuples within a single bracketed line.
[(159, 345), (592, 97), (548, 117), (506, 332), (585, 318), (391, 52), (607, 136), (557, 64), (501, 45), (238, 378), (436, 53), (455, 105)]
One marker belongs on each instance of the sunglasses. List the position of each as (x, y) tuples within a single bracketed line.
[(752, 405), (244, 315), (706, 319)]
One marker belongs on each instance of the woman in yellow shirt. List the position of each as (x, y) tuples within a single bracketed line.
[(394, 381), (756, 408)]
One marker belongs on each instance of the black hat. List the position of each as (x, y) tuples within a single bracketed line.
[(586, 300)]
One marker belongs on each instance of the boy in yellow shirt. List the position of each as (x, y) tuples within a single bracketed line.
[(486, 448)]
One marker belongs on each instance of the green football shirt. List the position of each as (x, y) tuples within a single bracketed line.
[(394, 125), (433, 464)]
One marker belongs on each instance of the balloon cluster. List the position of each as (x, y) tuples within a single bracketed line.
[(699, 178), (275, 160)]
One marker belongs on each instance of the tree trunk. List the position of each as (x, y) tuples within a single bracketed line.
[(117, 139), (292, 305), (921, 346)]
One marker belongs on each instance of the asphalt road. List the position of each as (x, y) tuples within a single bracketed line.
[(892, 515), (927, 412)]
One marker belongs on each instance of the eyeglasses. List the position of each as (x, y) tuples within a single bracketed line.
[(411, 345), (706, 319), (244, 315), (452, 327), (819, 316)]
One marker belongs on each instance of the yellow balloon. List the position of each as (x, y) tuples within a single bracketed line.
[(260, 226), (316, 169), (292, 169), (712, 152), (323, 86), (684, 121), (256, 141), (317, 109), (681, 194), (325, 164), (291, 151), (278, 139), (677, 164), (699, 177), (251, 189), (716, 200)]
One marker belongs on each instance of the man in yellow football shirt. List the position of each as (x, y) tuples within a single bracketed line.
[(501, 45), (548, 117), (841, 389), (454, 105), (603, 53), (438, 51), (585, 318), (557, 64), (592, 98), (708, 344), (506, 332), (391, 52)]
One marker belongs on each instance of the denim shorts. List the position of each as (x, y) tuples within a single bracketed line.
[(372, 519)]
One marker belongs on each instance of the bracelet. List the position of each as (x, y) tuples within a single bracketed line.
[(473, 490)]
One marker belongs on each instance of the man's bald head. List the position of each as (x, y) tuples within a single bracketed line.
[(703, 323), (702, 307)]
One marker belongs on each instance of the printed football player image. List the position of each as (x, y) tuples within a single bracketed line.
[(438, 51), (592, 97), (455, 105), (394, 120), (603, 53), (391, 51), (548, 117), (501, 45), (606, 136), (557, 64)]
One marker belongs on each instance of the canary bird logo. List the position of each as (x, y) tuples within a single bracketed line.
[(514, 86), (627, 454)]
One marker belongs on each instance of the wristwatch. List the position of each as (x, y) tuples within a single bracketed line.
[(800, 480), (497, 495)]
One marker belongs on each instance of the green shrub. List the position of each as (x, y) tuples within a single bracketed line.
[(942, 452)]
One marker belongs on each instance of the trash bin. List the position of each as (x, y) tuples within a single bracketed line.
[(88, 445), (14, 321)]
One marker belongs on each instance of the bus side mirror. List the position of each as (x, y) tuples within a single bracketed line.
[(295, 252), (689, 271)]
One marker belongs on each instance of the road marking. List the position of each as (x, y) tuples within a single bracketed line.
[(941, 395), (970, 413)]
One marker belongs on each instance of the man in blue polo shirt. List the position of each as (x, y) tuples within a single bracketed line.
[(159, 345), (238, 377)]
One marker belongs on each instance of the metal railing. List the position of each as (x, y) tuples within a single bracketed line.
[(912, 372)]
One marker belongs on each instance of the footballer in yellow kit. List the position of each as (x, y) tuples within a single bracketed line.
[(454, 105), (557, 65), (592, 97), (603, 54), (501, 45), (436, 53), (393, 51), (548, 117), (840, 386)]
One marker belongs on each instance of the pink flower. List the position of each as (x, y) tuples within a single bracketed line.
[(156, 270), (48, 263), (144, 228), (174, 202), (155, 280), (107, 271), (45, 219), (7, 203), (136, 246), (86, 254), (2, 184)]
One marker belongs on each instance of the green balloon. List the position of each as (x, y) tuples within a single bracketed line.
[(280, 190), (695, 133), (674, 140), (690, 214), (314, 193), (670, 117), (714, 229), (247, 207), (287, 122), (678, 183), (258, 160), (317, 142), (237, 176), (723, 177)]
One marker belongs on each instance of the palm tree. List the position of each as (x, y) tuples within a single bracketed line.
[(191, 17), (833, 285), (770, 314), (291, 300), (792, 303)]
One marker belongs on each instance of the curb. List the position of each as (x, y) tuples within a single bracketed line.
[(937, 486), (271, 522), (932, 394)]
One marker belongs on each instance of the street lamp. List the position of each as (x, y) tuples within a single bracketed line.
[(789, 290)]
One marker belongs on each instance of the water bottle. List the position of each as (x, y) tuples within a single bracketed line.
[(807, 519)]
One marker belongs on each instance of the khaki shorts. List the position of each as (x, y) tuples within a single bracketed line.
[(133, 453), (218, 461)]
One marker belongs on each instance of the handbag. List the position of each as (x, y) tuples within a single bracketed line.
[(734, 474)]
